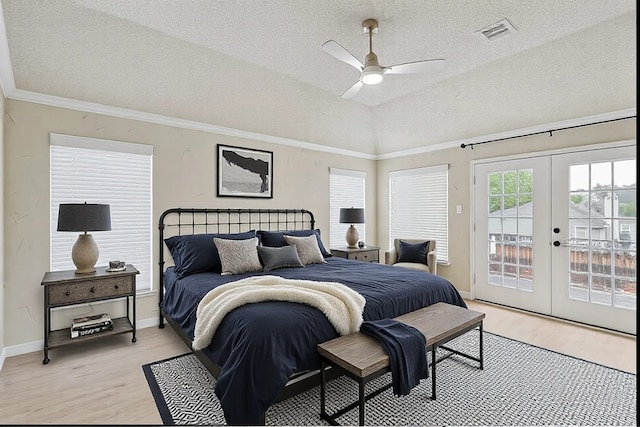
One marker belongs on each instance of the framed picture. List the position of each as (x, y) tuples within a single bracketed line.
[(243, 172)]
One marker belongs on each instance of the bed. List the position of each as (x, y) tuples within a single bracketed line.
[(266, 351)]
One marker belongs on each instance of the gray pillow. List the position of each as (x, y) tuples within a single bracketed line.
[(238, 256), (308, 249), (283, 257)]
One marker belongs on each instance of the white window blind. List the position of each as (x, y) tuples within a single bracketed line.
[(108, 172), (346, 190), (418, 204)]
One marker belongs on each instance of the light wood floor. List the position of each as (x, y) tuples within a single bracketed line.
[(102, 382)]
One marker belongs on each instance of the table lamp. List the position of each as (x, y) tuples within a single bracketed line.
[(352, 216), (84, 217)]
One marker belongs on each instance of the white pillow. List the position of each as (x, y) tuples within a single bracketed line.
[(307, 247), (238, 256)]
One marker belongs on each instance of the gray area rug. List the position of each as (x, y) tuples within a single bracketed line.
[(520, 385)]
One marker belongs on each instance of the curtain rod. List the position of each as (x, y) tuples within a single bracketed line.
[(550, 131)]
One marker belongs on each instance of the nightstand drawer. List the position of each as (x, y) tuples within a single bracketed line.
[(68, 293), (368, 256)]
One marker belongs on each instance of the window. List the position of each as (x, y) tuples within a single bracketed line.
[(418, 206), (581, 232), (114, 173), (346, 190)]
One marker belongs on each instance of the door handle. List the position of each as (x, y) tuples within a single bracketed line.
[(563, 244), (556, 243)]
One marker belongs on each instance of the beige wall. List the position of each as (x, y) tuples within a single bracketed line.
[(184, 175), (459, 161), (184, 163)]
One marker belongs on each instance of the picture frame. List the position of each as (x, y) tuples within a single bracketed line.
[(244, 172)]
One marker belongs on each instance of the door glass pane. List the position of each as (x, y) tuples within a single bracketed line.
[(600, 176), (579, 178), (510, 206), (495, 229), (495, 205), (495, 184), (579, 204), (601, 289), (525, 181), (510, 184), (602, 219), (510, 229), (579, 286), (525, 278), (624, 172), (625, 203)]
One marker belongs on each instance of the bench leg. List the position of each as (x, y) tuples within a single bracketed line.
[(481, 349), (361, 401), (433, 372), (322, 379)]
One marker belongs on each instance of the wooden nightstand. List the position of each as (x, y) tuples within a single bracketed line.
[(64, 288), (367, 253)]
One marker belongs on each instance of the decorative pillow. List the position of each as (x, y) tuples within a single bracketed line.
[(308, 249), (413, 252), (276, 238), (238, 256), (196, 253), (272, 258)]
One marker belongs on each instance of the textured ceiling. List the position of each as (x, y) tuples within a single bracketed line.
[(258, 65)]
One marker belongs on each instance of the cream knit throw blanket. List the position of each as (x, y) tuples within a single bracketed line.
[(342, 305)]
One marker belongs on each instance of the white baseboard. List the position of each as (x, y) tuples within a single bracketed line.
[(465, 295), (30, 347)]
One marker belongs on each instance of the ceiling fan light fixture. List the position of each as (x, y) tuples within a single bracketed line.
[(371, 75)]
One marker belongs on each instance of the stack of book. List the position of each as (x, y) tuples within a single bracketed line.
[(88, 325)]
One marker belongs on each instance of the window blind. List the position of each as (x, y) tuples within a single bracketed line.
[(109, 172), (418, 206), (346, 190)]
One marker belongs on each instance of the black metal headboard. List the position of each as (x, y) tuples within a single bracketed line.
[(184, 221)]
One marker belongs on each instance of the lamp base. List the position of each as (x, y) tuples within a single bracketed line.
[(352, 237), (85, 254)]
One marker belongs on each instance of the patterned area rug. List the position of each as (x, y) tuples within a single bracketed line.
[(520, 385)]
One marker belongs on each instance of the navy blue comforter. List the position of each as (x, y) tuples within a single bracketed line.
[(259, 346)]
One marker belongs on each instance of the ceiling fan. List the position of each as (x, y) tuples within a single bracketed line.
[(371, 72)]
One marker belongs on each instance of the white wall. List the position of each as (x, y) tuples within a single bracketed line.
[(184, 175)]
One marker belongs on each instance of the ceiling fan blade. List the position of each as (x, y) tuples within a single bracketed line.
[(353, 90), (428, 66), (334, 49)]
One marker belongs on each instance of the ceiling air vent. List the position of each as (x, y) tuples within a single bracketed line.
[(497, 30)]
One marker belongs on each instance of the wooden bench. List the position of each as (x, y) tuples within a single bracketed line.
[(362, 357)]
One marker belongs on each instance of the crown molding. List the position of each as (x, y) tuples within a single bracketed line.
[(73, 104), (56, 101), (579, 121), (8, 85)]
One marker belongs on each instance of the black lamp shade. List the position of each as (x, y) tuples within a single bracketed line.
[(351, 215), (84, 217)]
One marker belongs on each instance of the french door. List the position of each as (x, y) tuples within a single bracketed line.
[(511, 234), (556, 234), (594, 242)]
